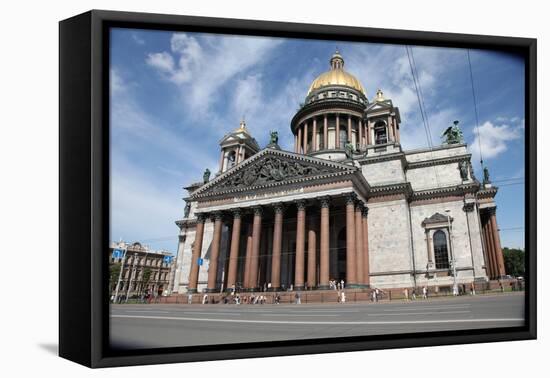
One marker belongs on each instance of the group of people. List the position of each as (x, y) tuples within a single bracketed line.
[(336, 285)]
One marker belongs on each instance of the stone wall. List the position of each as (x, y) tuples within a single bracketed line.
[(384, 172), (389, 243)]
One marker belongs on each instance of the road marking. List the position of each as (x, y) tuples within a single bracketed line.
[(296, 315), (422, 313), (211, 313), (321, 322), (148, 311), (428, 308)]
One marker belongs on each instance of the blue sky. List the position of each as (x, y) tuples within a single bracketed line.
[(175, 95)]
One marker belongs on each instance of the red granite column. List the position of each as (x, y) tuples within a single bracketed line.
[(337, 137), (312, 254), (325, 244), (492, 255), (360, 128), (296, 143), (496, 237), (349, 129), (305, 138), (248, 257), (488, 251), (366, 263), (350, 242), (197, 249), (256, 234), (390, 130), (300, 245), (234, 250), (325, 133), (277, 243), (359, 243), (314, 136), (299, 139), (214, 253)]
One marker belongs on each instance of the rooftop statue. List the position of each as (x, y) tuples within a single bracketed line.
[(349, 149), (206, 176), (453, 134), (274, 140), (486, 179)]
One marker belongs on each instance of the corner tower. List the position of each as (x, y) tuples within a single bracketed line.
[(236, 146)]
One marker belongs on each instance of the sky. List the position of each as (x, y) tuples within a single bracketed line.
[(173, 96)]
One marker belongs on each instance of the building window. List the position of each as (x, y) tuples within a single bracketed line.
[(343, 138), (441, 253), (380, 133)]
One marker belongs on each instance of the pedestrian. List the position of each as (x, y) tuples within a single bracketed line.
[(269, 286), (406, 292), (205, 299), (343, 299), (189, 298), (424, 292), (377, 294), (297, 298), (414, 294), (277, 298), (472, 289), (373, 294), (342, 284), (501, 287)]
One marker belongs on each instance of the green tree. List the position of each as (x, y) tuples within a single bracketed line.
[(514, 261), (114, 272), (146, 277)]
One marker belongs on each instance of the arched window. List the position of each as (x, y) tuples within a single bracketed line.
[(380, 133), (440, 250)]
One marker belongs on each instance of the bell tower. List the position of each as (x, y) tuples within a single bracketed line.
[(382, 119), (236, 147)]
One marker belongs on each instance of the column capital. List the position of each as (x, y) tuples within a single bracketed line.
[(365, 211), (201, 217), (351, 198), (278, 207), (301, 204), (360, 205), (325, 201), (258, 210), (491, 210), (216, 216), (237, 213)]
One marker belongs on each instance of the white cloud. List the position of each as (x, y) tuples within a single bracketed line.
[(163, 62), (494, 139), (201, 69), (137, 39)]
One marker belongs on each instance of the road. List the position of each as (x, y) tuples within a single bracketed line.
[(152, 326)]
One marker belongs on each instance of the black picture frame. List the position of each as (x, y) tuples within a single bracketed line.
[(84, 187)]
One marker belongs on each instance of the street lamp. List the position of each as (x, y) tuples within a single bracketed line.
[(453, 260)]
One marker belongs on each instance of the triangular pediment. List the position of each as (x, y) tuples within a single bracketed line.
[(379, 105), (270, 168), (436, 218)]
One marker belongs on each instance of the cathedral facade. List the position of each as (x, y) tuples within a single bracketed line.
[(347, 204)]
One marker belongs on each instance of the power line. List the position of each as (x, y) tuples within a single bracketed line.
[(475, 107), (423, 113)]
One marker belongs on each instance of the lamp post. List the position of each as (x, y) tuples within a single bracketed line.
[(120, 274), (132, 272), (453, 260)]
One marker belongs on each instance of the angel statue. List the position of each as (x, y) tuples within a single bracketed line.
[(206, 176), (453, 134), (274, 140), (349, 149)]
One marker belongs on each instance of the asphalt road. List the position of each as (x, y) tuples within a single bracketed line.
[(152, 326)]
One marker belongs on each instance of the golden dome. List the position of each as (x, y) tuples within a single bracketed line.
[(336, 76)]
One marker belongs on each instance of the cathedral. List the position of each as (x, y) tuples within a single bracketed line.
[(347, 204)]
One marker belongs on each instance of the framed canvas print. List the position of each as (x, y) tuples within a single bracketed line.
[(235, 188)]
